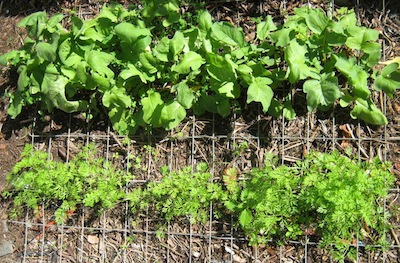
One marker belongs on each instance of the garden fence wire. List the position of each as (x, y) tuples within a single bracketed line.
[(115, 236)]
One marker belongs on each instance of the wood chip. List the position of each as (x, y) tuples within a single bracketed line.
[(93, 239)]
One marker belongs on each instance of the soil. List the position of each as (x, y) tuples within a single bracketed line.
[(289, 140)]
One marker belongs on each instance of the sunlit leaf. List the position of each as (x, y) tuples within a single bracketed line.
[(295, 56), (265, 27), (191, 61), (260, 91), (367, 111), (321, 92), (228, 34)]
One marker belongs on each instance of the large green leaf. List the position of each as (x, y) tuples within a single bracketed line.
[(23, 79), (227, 89), (84, 26), (135, 38), (246, 73), (322, 92), (317, 21), (54, 21), (367, 111), (55, 95), (288, 111), (205, 103), (15, 105), (93, 35), (191, 61), (184, 95), (389, 80), (152, 106), (153, 9), (260, 91), (116, 97), (357, 76), (228, 34), (221, 69), (46, 51), (122, 120), (223, 107), (34, 24), (282, 37), (132, 71), (114, 12), (205, 22), (172, 114), (161, 50), (129, 33), (99, 62), (265, 27), (67, 56), (101, 81), (176, 45), (149, 62), (295, 55), (361, 38)]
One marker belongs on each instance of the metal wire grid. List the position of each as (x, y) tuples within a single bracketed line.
[(209, 238), (221, 247)]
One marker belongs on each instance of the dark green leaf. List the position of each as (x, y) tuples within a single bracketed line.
[(152, 106), (99, 62), (205, 22), (321, 92), (46, 51), (56, 95)]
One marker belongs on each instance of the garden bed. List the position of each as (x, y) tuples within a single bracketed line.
[(240, 140)]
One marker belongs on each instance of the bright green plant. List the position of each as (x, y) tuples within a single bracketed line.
[(320, 51), (266, 203), (148, 67), (344, 199), (336, 198), (180, 194), (85, 180)]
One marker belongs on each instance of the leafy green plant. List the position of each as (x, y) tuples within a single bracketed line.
[(179, 194), (344, 199), (333, 197), (321, 51), (36, 180), (266, 203), (147, 67)]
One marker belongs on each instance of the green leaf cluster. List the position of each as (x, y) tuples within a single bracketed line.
[(320, 51), (330, 196), (180, 194), (147, 67), (85, 180)]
